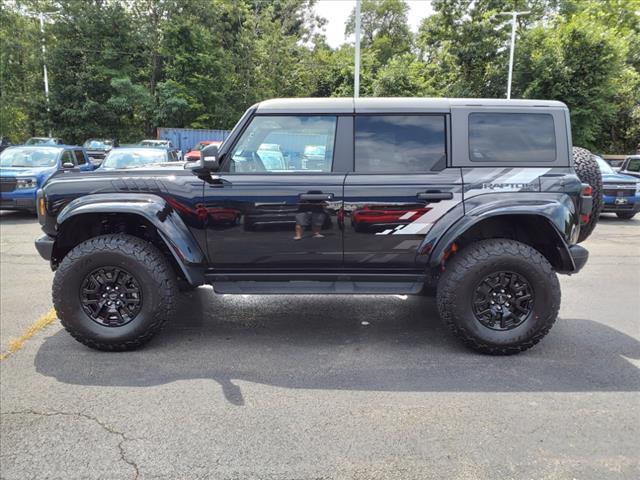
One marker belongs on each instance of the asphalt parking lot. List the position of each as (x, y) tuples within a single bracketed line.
[(311, 387)]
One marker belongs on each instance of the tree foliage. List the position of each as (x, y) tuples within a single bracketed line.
[(124, 67)]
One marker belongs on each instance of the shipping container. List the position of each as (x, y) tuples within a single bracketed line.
[(185, 139)]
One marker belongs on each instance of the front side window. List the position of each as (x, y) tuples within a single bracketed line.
[(67, 157), (512, 137), (399, 143), (281, 144), (633, 165), (79, 157)]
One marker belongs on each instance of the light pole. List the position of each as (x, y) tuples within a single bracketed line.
[(356, 74), (514, 17), (44, 65)]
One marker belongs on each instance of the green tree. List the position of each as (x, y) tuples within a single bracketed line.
[(384, 27), (22, 102)]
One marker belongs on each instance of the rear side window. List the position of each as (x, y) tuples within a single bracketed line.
[(512, 137), (399, 143)]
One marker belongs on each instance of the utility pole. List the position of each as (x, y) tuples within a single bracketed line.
[(514, 17), (356, 75), (44, 64)]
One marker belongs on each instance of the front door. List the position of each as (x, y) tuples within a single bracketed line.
[(399, 188), (277, 201)]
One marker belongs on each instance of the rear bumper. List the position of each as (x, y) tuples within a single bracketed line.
[(44, 245)]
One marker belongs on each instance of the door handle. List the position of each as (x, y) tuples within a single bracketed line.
[(435, 196), (316, 196)]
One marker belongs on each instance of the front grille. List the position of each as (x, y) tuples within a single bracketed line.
[(7, 184), (620, 192)]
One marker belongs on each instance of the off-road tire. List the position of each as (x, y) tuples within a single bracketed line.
[(153, 273), (588, 171), (625, 215), (463, 274)]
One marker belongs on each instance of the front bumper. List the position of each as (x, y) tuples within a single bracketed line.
[(44, 245), (579, 255), (19, 200)]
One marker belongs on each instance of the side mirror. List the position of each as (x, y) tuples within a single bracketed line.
[(209, 157), (68, 165), (208, 161)]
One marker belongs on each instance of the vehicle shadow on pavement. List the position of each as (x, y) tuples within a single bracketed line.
[(17, 218), (365, 343)]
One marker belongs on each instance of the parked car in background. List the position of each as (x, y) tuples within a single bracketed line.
[(631, 166), (4, 143), (271, 156), (162, 143), (135, 157), (194, 154), (97, 148), (45, 141), (25, 168), (620, 192)]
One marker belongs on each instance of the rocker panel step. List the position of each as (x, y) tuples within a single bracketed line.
[(340, 287)]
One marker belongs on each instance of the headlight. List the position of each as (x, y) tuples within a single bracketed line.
[(637, 188), (27, 182)]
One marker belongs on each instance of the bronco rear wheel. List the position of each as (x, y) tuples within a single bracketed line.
[(114, 292), (499, 296), (588, 171)]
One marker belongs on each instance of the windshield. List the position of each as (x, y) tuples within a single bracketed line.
[(98, 144), (120, 159), (40, 141), (604, 166), (29, 157)]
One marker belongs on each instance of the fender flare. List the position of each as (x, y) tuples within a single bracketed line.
[(555, 211), (157, 211)]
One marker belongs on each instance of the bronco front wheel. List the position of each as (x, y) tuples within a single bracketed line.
[(114, 292), (499, 296)]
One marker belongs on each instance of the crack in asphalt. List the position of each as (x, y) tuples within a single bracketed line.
[(106, 427)]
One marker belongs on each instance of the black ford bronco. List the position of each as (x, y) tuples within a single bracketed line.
[(477, 200)]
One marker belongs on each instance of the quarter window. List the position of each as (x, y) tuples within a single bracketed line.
[(276, 144), (512, 137), (399, 143)]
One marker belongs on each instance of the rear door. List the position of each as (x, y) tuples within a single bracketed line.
[(271, 209), (399, 188)]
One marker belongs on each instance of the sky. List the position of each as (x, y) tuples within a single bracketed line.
[(337, 12)]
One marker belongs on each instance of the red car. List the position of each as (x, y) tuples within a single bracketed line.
[(194, 154)]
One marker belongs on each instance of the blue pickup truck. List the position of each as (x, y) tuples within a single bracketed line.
[(25, 168), (620, 192)]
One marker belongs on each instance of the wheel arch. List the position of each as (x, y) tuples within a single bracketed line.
[(149, 217), (532, 228)]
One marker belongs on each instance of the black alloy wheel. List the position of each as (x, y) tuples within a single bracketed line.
[(503, 300), (111, 296)]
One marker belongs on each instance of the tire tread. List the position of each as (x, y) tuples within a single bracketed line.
[(134, 247), (483, 251)]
